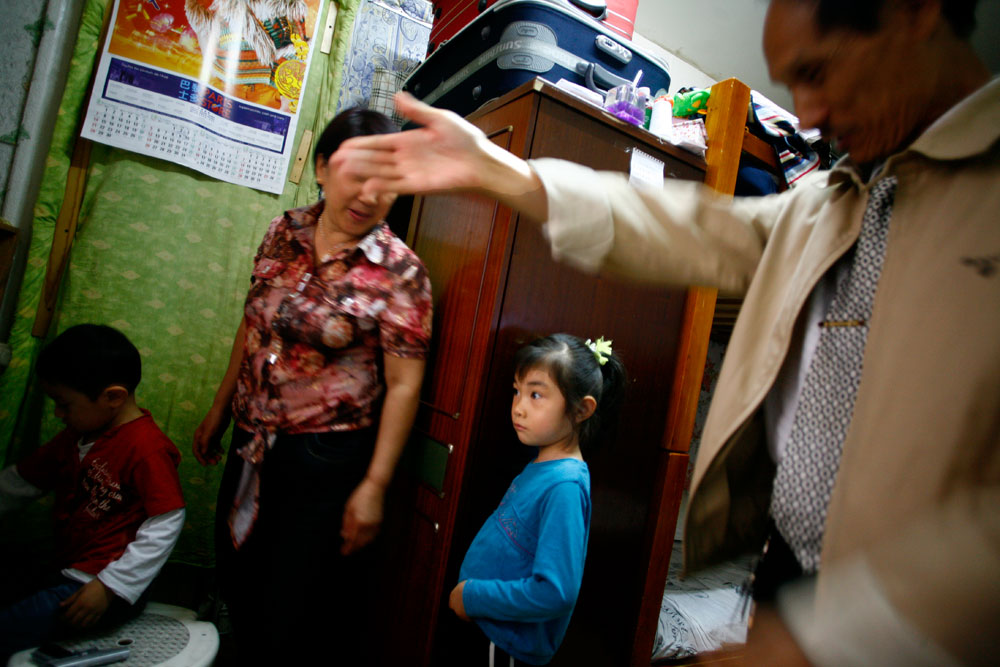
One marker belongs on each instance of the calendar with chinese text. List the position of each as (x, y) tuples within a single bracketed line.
[(210, 86)]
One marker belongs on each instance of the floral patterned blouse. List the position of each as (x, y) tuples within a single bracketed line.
[(315, 332)]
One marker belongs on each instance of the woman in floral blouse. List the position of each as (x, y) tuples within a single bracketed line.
[(323, 384)]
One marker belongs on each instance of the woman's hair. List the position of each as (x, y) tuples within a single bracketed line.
[(576, 371), (89, 358), (353, 122)]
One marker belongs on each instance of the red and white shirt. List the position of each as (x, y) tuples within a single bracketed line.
[(127, 476)]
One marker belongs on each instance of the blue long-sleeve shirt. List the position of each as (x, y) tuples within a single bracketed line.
[(524, 567)]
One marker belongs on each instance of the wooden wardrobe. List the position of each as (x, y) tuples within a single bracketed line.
[(496, 287)]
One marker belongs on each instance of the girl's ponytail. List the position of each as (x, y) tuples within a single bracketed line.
[(612, 394)]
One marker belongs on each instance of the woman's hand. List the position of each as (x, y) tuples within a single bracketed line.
[(456, 603), (207, 445), (86, 606), (363, 511), (362, 516)]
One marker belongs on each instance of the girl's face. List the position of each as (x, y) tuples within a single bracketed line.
[(538, 411), (350, 213)]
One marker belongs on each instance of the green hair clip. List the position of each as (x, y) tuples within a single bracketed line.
[(601, 349)]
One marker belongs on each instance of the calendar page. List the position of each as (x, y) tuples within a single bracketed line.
[(213, 86)]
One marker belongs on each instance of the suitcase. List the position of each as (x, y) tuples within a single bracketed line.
[(513, 41), (450, 16)]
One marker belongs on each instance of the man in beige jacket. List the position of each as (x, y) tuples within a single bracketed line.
[(910, 561)]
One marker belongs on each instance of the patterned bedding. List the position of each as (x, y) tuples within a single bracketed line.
[(703, 612)]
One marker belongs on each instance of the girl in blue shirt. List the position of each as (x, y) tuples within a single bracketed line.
[(521, 575)]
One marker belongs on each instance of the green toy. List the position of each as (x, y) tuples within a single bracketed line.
[(691, 103)]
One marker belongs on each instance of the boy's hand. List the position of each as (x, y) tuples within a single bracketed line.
[(85, 607), (207, 447), (456, 603), (362, 516)]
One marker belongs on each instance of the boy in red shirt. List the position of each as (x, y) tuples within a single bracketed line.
[(118, 506)]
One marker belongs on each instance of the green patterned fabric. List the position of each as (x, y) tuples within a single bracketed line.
[(162, 253)]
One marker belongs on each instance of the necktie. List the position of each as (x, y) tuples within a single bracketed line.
[(808, 468)]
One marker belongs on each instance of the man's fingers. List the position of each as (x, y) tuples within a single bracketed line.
[(371, 142), (413, 109)]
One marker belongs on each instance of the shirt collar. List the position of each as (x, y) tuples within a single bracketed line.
[(113, 431), (967, 129), (374, 244)]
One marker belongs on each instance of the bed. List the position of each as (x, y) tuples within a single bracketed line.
[(701, 613)]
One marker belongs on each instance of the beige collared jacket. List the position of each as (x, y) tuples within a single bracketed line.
[(915, 512)]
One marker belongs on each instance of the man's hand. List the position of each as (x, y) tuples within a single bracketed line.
[(456, 603), (445, 153), (85, 607)]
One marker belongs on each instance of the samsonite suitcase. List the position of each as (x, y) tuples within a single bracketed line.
[(513, 41), (450, 16)]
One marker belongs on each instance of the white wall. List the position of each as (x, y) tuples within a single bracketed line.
[(721, 38), (682, 73)]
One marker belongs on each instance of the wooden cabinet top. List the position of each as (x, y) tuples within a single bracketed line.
[(547, 90)]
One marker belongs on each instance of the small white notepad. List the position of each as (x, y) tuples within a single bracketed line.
[(645, 170)]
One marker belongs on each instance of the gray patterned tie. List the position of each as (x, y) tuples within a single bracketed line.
[(809, 465)]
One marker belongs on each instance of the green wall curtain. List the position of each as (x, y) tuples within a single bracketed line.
[(162, 253)]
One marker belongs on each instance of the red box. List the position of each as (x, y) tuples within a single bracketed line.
[(621, 16), (450, 16)]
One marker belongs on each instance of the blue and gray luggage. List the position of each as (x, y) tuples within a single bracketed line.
[(513, 41)]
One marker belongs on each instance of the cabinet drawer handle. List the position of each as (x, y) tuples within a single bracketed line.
[(434, 524)]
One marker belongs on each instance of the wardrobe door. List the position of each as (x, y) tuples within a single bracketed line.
[(541, 296), (463, 241)]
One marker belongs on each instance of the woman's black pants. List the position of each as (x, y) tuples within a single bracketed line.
[(292, 596)]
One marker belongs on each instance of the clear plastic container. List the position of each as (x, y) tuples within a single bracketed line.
[(625, 102)]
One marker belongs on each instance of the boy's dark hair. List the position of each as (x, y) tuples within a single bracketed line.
[(866, 15), (89, 358), (575, 369), (353, 122)]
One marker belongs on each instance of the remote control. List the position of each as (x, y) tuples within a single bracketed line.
[(89, 657)]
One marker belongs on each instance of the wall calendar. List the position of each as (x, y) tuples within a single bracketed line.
[(213, 86)]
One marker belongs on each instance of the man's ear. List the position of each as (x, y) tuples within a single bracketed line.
[(115, 395), (586, 409)]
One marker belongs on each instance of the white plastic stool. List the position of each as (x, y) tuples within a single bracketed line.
[(161, 636)]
